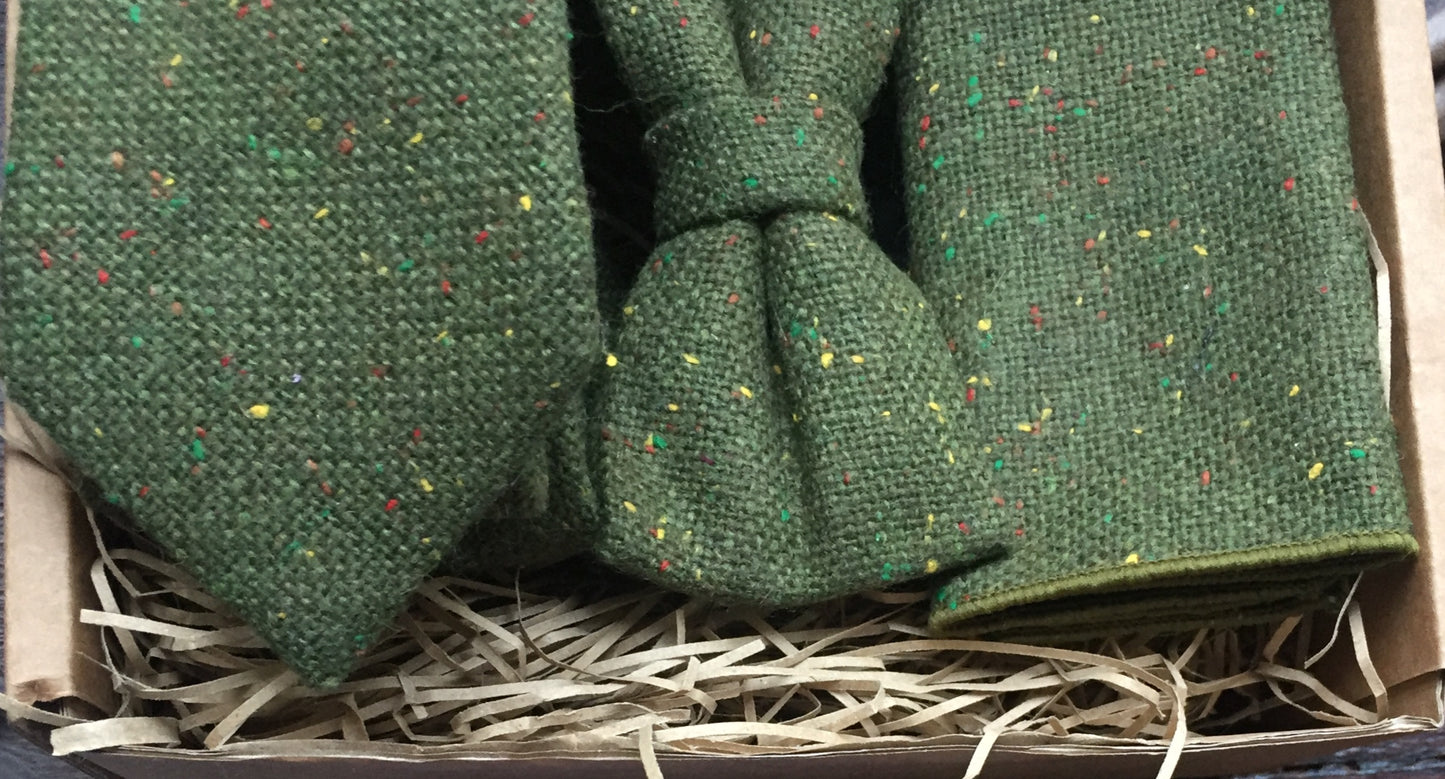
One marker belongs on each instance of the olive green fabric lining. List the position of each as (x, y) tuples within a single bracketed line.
[(1181, 593)]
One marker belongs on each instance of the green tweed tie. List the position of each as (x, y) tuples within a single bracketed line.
[(300, 285), (782, 419), (1136, 219)]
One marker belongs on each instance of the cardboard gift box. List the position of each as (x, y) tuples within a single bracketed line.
[(50, 546)]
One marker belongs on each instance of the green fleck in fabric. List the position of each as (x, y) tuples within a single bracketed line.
[(782, 419), (1175, 352), (302, 285)]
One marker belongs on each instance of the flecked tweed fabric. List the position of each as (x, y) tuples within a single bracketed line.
[(299, 284), (782, 420), (549, 511), (1136, 218)]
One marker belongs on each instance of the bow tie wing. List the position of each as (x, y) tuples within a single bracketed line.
[(881, 418)]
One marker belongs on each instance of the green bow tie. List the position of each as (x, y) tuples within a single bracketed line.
[(782, 420), (301, 286)]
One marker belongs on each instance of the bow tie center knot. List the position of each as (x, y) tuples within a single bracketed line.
[(752, 158)]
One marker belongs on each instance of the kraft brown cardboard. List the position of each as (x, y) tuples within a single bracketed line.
[(1385, 66), (1386, 71)]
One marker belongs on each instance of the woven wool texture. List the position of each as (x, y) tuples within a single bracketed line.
[(781, 414), (1136, 219), (548, 512), (300, 284)]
